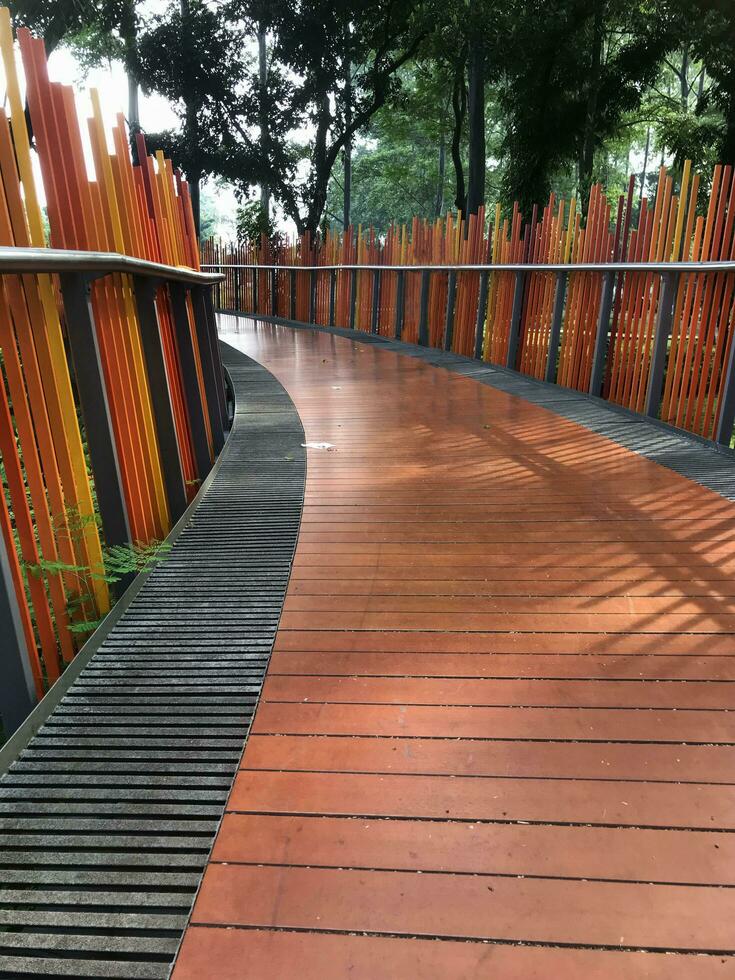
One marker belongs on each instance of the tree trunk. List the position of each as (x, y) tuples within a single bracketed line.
[(645, 162), (587, 153), (439, 199), (727, 150), (684, 79), (263, 124), (347, 175), (133, 103), (322, 169), (129, 32), (191, 129), (459, 108), (476, 119)]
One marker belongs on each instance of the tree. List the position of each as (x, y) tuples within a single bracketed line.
[(712, 24), (195, 59), (573, 70), (314, 43), (399, 167)]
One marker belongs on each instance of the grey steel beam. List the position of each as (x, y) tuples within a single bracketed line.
[(449, 317), (424, 308), (209, 361), (195, 409), (661, 336), (161, 401), (17, 688), (90, 380), (557, 317), (400, 292), (603, 333), (376, 302), (481, 314), (515, 319)]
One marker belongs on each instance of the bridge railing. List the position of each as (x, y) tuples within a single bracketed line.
[(654, 337), (105, 433), (112, 404)]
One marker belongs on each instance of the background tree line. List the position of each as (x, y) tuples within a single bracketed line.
[(377, 110)]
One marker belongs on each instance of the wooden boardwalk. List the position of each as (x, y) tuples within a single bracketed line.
[(497, 714)]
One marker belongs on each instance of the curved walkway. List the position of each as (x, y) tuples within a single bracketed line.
[(497, 710)]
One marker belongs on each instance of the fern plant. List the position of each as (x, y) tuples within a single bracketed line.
[(118, 563)]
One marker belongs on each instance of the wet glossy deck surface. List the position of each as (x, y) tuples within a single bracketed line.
[(497, 714)]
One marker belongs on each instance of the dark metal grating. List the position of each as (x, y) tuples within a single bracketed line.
[(108, 816)]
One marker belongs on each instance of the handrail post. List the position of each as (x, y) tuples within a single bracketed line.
[(312, 297), (274, 292), (209, 361), (557, 317), (219, 373), (150, 337), (332, 294), (726, 414), (237, 289), (353, 298), (195, 409), (603, 332), (90, 379), (17, 691), (515, 320), (664, 318), (255, 291), (400, 291), (424, 309), (292, 294), (449, 319), (481, 315), (376, 302)]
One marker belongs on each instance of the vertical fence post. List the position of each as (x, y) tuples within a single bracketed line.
[(726, 414), (449, 318), (332, 294), (214, 335), (515, 320), (292, 293), (219, 295), (209, 360), (150, 337), (255, 290), (400, 291), (557, 317), (481, 313), (603, 333), (238, 305), (195, 409), (353, 298), (664, 317), (376, 301), (90, 379), (17, 690), (424, 308), (312, 297), (274, 292)]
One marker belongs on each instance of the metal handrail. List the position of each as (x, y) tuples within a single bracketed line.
[(41, 260), (652, 267)]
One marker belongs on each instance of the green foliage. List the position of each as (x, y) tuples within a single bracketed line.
[(119, 562)]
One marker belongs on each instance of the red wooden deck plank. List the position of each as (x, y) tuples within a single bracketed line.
[(483, 757), (499, 707), (492, 849), (321, 956)]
